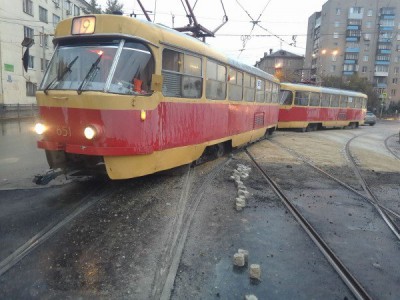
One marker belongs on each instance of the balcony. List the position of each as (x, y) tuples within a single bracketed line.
[(352, 50), (385, 40), (352, 39), (381, 85), (386, 28), (350, 61), (382, 62), (353, 27), (387, 17), (384, 51), (381, 74), (348, 73)]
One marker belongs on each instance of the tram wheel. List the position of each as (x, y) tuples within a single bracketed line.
[(219, 150)]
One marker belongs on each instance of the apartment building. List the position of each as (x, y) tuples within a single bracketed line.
[(284, 64), (356, 37), (34, 21)]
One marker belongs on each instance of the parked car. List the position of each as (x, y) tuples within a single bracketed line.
[(370, 118)]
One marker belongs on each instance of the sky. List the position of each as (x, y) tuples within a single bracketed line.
[(281, 23)]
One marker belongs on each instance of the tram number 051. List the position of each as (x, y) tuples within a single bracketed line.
[(63, 131)]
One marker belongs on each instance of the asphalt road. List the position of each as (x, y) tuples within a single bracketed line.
[(173, 235)]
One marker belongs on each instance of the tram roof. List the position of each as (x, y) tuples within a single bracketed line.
[(320, 89), (156, 34)]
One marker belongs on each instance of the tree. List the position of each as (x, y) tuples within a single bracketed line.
[(94, 7), (113, 6), (355, 83)]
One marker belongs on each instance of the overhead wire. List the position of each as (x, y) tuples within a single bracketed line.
[(246, 38)]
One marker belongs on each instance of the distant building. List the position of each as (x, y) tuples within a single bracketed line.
[(35, 20), (285, 65), (356, 37)]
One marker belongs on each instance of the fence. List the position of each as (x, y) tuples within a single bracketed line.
[(18, 111)]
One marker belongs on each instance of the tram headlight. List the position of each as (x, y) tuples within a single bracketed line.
[(40, 128), (90, 132)]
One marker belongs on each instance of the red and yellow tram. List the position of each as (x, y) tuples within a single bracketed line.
[(135, 98), (308, 107)]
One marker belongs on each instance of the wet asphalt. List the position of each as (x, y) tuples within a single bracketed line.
[(183, 222)]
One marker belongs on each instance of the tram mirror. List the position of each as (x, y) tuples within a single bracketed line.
[(156, 82)]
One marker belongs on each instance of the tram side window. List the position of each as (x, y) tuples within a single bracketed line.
[(301, 98), (182, 75), (358, 102), (260, 89), (249, 88), (268, 92), (275, 93), (325, 100), (286, 97), (216, 81), (314, 99), (235, 85), (364, 104), (350, 102), (335, 101), (343, 101)]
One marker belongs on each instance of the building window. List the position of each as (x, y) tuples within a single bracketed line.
[(31, 89), (393, 92), (333, 68), (56, 20), (28, 7), (43, 14), (337, 24), (56, 3), (395, 80), (396, 70), (44, 40), (338, 11), (68, 7), (356, 10), (370, 12), (28, 32), (334, 57), (77, 10), (365, 58), (31, 61), (364, 69), (43, 64), (336, 35), (369, 24)]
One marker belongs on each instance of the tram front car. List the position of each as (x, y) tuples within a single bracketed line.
[(97, 88)]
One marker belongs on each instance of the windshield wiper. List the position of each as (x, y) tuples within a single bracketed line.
[(91, 73), (63, 73)]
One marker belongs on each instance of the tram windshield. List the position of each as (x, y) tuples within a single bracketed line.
[(114, 67), (286, 97)]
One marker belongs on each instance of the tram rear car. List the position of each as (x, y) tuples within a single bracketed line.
[(307, 107), (135, 98)]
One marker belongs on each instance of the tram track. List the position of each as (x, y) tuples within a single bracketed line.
[(390, 217), (351, 282), (397, 156), (93, 197), (173, 247)]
